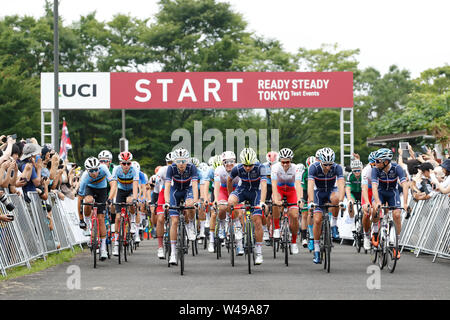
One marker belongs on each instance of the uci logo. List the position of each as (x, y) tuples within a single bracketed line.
[(83, 90)]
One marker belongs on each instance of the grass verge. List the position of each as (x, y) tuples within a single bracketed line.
[(53, 259)]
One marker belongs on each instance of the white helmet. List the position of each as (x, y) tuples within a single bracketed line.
[(228, 155), (105, 154), (180, 153), (195, 161), (136, 165), (356, 164), (203, 167), (248, 156), (286, 153), (91, 163), (318, 153), (327, 155), (169, 157)]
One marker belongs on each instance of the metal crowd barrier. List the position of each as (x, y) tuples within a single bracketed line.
[(29, 237), (428, 229)]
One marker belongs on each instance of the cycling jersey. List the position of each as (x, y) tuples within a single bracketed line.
[(100, 182), (325, 182), (268, 168), (285, 179), (388, 181), (354, 183), (125, 181), (367, 176), (249, 180), (181, 181), (221, 175)]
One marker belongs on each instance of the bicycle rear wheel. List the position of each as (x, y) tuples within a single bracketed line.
[(286, 245), (327, 246), (121, 238), (94, 241), (392, 247), (181, 246), (249, 247)]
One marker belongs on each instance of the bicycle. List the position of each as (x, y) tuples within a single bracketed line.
[(124, 230), (325, 237), (108, 232), (249, 235), (358, 235), (231, 239), (182, 247), (275, 243), (388, 247), (285, 231), (95, 229), (217, 239)]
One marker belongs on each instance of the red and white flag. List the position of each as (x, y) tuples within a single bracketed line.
[(66, 145)]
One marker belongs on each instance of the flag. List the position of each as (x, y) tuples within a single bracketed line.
[(66, 145)]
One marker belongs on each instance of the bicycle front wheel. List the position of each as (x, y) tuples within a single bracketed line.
[(248, 240), (232, 244), (327, 246), (392, 248), (94, 241), (181, 246)]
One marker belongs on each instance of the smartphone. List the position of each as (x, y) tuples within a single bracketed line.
[(403, 145)]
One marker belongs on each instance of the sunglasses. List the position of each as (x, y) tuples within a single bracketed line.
[(327, 164), (378, 161), (126, 163), (248, 165), (229, 162), (93, 170), (356, 170), (104, 161), (285, 162), (183, 161)]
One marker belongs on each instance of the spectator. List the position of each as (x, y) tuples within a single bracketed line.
[(422, 183), (443, 187), (30, 168)]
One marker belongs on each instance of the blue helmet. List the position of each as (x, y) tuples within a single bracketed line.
[(372, 157), (384, 154)]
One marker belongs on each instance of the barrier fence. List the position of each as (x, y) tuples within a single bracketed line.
[(428, 228), (31, 236)]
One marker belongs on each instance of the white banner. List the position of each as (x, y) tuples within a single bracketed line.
[(77, 90)]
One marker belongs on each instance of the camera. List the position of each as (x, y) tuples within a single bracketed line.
[(8, 204)]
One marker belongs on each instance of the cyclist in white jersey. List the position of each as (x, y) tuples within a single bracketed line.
[(286, 182)]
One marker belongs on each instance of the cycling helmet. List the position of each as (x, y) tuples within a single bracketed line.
[(372, 157), (356, 164), (310, 161), (228, 155), (286, 153), (318, 153), (91, 163), (384, 154), (271, 157), (180, 153), (327, 155), (217, 161), (203, 167), (105, 154), (136, 165), (169, 157), (125, 156), (248, 156), (195, 161)]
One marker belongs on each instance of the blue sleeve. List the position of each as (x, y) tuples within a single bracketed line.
[(400, 173), (84, 182), (234, 172), (114, 173), (169, 174), (312, 172), (339, 172), (135, 174), (33, 174), (263, 172), (105, 170), (142, 179), (375, 175), (194, 173)]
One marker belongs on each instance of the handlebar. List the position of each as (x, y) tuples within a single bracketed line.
[(329, 205)]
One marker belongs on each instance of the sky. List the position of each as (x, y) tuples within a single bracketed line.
[(409, 33)]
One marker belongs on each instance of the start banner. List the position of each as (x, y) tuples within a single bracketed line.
[(197, 90)]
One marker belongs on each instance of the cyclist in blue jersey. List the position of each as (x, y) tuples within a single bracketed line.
[(125, 189), (253, 176), (385, 179), (181, 182), (322, 179), (93, 188)]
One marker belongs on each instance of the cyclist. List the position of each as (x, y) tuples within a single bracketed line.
[(286, 181), (206, 181), (253, 176), (366, 201), (105, 157), (159, 189), (201, 210), (184, 177), (125, 189), (385, 178), (221, 195), (143, 179), (353, 187), (306, 218), (322, 179), (93, 184), (271, 159)]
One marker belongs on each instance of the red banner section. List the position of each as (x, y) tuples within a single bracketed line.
[(197, 90)]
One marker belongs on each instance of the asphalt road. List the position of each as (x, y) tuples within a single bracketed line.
[(144, 276)]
